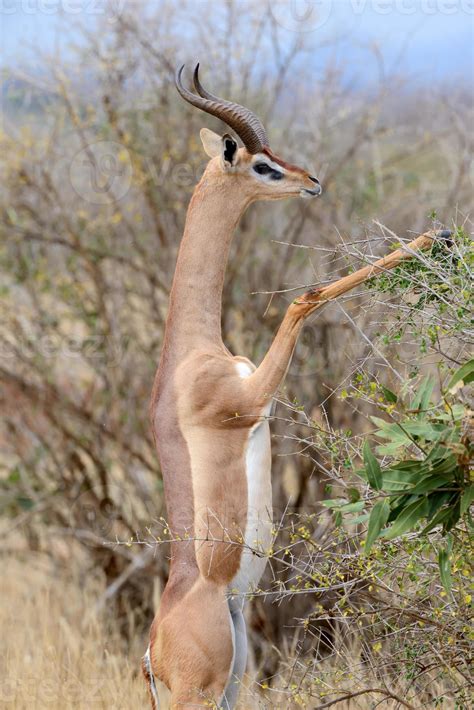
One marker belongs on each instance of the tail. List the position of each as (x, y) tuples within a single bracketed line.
[(150, 680)]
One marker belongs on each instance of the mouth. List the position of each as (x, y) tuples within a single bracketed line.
[(316, 192)]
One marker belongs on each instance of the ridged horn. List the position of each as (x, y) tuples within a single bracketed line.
[(246, 124)]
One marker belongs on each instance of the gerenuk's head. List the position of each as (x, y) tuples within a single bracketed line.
[(253, 168)]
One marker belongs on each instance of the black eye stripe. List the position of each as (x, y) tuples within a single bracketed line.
[(264, 169)]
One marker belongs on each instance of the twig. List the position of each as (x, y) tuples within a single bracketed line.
[(328, 293), (363, 692)]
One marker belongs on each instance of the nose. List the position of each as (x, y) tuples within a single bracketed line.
[(317, 189)]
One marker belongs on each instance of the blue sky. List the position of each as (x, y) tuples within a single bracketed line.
[(416, 37), (437, 36)]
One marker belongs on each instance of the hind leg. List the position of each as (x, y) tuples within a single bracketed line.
[(240, 654), (192, 651)]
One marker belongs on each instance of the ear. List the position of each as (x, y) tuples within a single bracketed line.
[(211, 142), (224, 146), (229, 151)]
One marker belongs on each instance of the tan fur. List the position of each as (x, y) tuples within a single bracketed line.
[(192, 655), (202, 412)]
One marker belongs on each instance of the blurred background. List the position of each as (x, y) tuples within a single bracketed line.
[(98, 160)]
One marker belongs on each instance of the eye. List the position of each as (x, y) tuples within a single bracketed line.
[(264, 169)]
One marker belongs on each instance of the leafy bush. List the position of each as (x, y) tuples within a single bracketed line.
[(428, 478), (425, 445)]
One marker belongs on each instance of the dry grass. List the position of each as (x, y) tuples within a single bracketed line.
[(55, 651)]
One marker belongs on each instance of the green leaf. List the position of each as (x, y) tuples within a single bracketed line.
[(444, 563), (437, 452), (358, 519), (465, 374), (389, 395), (436, 501), (426, 430), (408, 518), (466, 499), (455, 514), (395, 480), (456, 413), (390, 430), (333, 502), (431, 483), (402, 435), (353, 494), (445, 466), (391, 449), (353, 507), (412, 465), (372, 467), (378, 518), (439, 519), (398, 504), (393, 434), (422, 397)]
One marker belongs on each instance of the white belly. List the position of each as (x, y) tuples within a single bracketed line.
[(258, 532)]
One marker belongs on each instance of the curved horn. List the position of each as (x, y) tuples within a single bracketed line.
[(248, 117), (245, 123)]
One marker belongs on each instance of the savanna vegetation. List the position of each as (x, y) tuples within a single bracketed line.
[(366, 601)]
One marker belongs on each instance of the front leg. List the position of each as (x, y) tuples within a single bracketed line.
[(266, 379), (264, 382)]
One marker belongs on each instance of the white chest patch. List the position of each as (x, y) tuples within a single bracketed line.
[(258, 531), (244, 369)]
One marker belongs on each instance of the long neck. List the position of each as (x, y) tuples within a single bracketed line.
[(196, 294)]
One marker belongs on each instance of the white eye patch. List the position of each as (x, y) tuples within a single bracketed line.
[(267, 170)]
